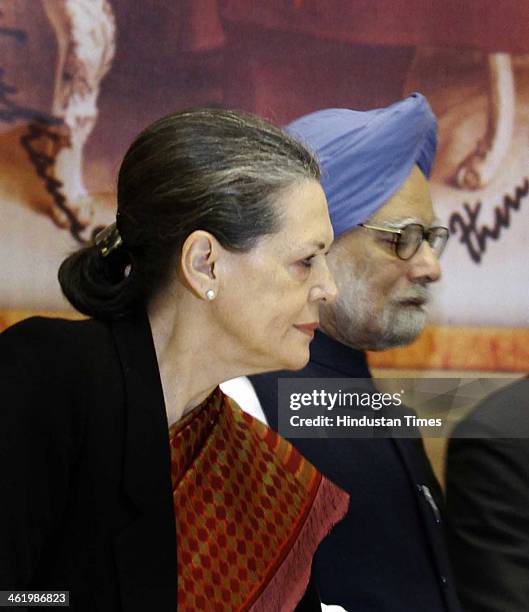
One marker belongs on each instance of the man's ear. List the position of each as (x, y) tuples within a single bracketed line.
[(198, 257)]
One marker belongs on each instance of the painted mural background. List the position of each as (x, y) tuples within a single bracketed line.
[(80, 78)]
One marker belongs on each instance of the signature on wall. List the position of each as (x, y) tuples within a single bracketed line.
[(475, 236)]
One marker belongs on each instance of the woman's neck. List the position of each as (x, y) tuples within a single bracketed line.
[(189, 350)]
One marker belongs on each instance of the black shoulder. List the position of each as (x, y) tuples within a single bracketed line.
[(40, 332), (54, 381), (54, 365), (504, 413), (53, 340)]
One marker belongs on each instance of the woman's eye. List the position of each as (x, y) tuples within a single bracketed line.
[(307, 262)]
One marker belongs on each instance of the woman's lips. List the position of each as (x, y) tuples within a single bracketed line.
[(307, 328)]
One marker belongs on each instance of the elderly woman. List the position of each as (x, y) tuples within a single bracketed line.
[(128, 478)]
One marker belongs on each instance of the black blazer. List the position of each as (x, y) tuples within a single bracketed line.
[(87, 502), (86, 496), (389, 553), (487, 479)]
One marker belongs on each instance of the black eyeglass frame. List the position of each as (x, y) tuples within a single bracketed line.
[(427, 234)]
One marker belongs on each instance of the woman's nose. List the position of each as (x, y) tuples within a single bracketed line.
[(325, 289)]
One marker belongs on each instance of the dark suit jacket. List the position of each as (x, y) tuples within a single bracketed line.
[(86, 496), (488, 503), (388, 554), (87, 503)]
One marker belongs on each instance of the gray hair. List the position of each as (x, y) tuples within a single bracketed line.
[(210, 169)]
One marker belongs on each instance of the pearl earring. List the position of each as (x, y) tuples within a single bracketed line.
[(210, 294)]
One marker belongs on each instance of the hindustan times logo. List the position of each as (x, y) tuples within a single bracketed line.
[(344, 399)]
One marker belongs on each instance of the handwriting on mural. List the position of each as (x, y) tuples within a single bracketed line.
[(475, 237)]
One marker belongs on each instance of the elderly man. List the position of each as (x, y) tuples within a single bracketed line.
[(388, 554)]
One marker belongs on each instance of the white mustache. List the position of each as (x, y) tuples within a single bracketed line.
[(418, 292)]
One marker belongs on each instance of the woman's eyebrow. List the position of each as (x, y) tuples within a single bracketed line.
[(318, 244)]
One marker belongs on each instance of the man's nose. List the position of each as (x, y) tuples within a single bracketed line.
[(424, 265)]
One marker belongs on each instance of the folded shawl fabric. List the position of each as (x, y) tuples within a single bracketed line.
[(250, 511), (365, 156)]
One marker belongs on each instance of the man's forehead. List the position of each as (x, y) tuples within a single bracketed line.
[(412, 203)]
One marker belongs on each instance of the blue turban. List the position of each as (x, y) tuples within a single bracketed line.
[(366, 156)]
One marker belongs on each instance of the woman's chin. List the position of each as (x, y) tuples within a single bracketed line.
[(297, 360)]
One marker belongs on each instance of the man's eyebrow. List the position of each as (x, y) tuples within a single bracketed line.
[(396, 222), (400, 222)]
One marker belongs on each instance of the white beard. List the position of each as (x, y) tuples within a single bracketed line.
[(357, 324)]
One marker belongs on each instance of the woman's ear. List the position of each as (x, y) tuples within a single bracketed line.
[(198, 257)]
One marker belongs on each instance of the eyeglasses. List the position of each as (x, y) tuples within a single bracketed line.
[(407, 241)]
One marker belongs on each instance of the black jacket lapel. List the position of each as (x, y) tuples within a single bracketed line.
[(146, 550), (430, 504)]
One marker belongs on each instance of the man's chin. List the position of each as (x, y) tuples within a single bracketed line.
[(394, 341), (393, 328), (403, 330)]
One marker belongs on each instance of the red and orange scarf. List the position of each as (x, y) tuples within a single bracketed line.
[(250, 511)]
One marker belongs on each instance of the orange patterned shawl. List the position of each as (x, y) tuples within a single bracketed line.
[(250, 511)]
